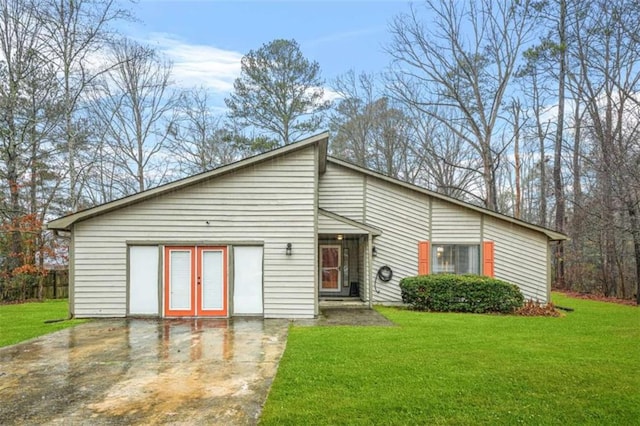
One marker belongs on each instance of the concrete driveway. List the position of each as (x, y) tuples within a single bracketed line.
[(114, 372)]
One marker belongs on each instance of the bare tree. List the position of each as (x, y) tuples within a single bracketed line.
[(607, 60), (200, 140), (135, 105), (19, 66), (465, 58), (29, 115), (352, 122), (516, 114), (74, 32), (534, 82), (371, 130), (558, 184), (444, 161)]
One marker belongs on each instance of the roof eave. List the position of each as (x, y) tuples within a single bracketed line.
[(551, 235), (375, 232)]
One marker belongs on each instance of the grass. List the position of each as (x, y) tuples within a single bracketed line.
[(463, 369), (25, 321)]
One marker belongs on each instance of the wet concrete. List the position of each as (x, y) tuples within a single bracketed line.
[(348, 315), (116, 372)]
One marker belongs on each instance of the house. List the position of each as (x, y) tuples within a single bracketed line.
[(273, 234)]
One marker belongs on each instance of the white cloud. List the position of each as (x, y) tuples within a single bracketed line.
[(341, 36), (331, 95), (203, 65), (198, 64)]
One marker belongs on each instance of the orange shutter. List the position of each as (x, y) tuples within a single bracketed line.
[(488, 259), (423, 257)]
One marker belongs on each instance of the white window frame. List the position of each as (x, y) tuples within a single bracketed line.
[(435, 247)]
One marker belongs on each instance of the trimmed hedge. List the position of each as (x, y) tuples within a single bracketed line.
[(460, 293)]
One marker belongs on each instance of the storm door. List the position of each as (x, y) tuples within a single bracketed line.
[(195, 281), (330, 268)]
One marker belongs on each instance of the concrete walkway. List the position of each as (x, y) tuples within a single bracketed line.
[(347, 315), (117, 372)]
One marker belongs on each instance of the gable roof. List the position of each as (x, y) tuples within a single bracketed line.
[(65, 222), (320, 140), (551, 234)]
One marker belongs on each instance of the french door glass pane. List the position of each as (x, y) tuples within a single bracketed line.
[(212, 288), (180, 279), (330, 257), (330, 278)]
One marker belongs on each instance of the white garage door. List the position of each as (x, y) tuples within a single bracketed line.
[(247, 280), (143, 280)]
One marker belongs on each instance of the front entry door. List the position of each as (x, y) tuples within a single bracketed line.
[(330, 268), (195, 281)]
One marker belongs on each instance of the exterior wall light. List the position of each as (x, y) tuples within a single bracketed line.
[(288, 250), (374, 251)]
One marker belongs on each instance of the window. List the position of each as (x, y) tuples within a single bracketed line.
[(455, 258)]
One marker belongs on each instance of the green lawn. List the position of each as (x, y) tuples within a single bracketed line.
[(26, 320), (464, 369)]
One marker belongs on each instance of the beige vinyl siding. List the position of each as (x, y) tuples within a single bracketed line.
[(341, 191), (454, 224), (520, 257), (403, 215), (270, 203)]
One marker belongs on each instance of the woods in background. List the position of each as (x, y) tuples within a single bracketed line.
[(528, 108)]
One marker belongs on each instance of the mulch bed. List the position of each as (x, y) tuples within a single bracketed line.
[(598, 298)]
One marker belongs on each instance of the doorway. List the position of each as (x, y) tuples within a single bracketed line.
[(331, 268), (195, 281)]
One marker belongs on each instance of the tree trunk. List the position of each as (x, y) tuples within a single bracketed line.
[(576, 220), (557, 164), (543, 163), (635, 232), (488, 172), (516, 154), (13, 260)]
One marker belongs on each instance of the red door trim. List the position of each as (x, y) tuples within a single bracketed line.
[(196, 289), (167, 269), (225, 305)]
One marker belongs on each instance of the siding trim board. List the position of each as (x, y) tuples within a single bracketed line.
[(72, 275)]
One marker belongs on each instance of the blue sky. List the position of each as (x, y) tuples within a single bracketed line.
[(207, 38)]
